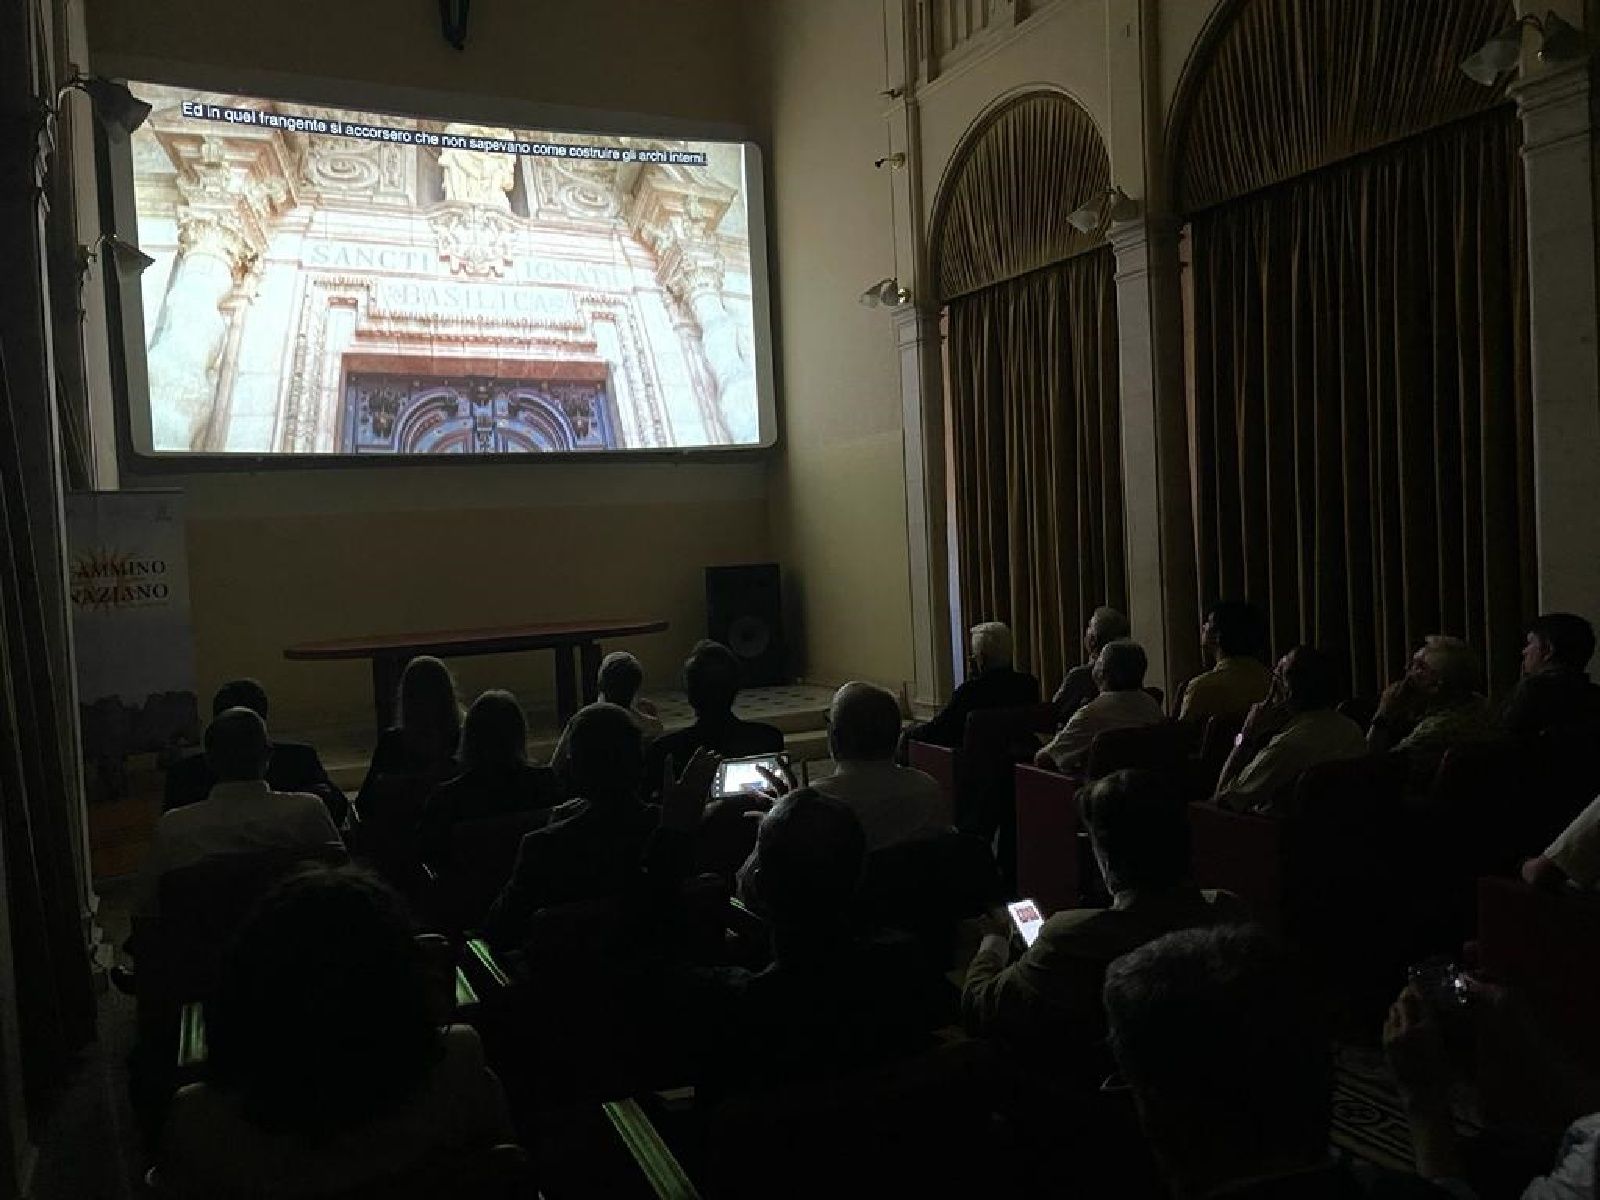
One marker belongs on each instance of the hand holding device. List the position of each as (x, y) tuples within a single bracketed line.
[(762, 774)]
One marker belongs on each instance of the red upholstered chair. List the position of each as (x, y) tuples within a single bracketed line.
[(1049, 854), (1165, 747), (1243, 853), (940, 763), (1216, 744), (1546, 946)]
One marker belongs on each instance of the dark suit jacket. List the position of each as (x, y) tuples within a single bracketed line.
[(1076, 690), (293, 767), (475, 795), (585, 853), (1001, 687), (729, 737), (1548, 699)]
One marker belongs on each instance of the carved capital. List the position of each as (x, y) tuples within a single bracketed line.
[(217, 233)]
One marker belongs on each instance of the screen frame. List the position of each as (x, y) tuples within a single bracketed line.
[(124, 307)]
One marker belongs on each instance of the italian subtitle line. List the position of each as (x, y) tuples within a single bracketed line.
[(361, 131)]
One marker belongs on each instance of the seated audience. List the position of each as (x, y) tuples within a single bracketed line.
[(1106, 625), (423, 745), (1557, 1093), (1225, 1050), (991, 683), (1046, 1005), (1555, 688), (619, 680), (1294, 729), (1574, 857), (832, 1001), (1122, 704), (711, 680), (326, 1064), (240, 814), (593, 845), (894, 804), (1436, 705), (1233, 638), (291, 767), (495, 778)]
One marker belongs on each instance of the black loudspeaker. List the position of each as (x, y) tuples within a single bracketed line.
[(744, 611)]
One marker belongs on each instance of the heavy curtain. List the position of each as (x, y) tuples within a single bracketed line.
[(1362, 406), (1035, 423), (1032, 377)]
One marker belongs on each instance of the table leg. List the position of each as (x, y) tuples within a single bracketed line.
[(385, 683), (566, 684), (589, 655)]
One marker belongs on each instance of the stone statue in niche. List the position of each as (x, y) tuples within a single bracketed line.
[(475, 176)]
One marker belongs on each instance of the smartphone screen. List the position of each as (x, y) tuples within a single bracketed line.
[(737, 776), (1025, 915)]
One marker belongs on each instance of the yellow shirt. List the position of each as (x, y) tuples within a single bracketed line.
[(1227, 690)]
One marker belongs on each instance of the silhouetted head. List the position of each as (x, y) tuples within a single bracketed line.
[(1138, 824), (863, 723), (809, 856), (240, 693), (1558, 640), (1227, 1054), (495, 734), (236, 745), (1120, 666), (1446, 670), (1233, 629), (607, 754), (323, 1018), (1106, 625), (711, 679), (620, 678), (429, 711), (1310, 679)]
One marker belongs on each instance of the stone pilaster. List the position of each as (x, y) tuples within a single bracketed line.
[(1558, 158), (1157, 505)]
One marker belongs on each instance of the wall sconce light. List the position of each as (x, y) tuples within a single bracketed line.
[(125, 256), (1559, 43), (1113, 204), (115, 107), (886, 293), (894, 162)]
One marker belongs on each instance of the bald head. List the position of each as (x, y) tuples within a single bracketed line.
[(236, 745), (863, 723)]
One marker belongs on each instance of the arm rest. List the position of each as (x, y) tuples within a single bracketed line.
[(650, 1153)]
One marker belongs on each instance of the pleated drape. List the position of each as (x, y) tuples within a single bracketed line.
[(1038, 475), (1004, 209), (1362, 404), (1294, 85)]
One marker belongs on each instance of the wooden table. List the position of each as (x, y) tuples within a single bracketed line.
[(390, 652)]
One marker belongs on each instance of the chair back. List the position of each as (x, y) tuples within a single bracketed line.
[(1165, 747), (939, 763), (1216, 744), (1050, 850), (1547, 947), (909, 1128), (385, 836), (926, 886), (996, 740), (482, 855), (1243, 853), (1568, 763)]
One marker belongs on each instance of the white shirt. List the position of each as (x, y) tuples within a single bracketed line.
[(1310, 738), (236, 817), (894, 804), (1133, 709), (1577, 850)]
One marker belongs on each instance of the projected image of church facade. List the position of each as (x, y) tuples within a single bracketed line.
[(321, 294)]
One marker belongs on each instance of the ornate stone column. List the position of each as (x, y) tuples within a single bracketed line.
[(1558, 159), (192, 330), (1157, 504), (677, 217)]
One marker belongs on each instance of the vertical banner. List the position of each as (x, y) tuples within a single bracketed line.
[(130, 623)]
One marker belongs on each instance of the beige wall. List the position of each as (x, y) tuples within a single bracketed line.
[(291, 555), (839, 498)]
